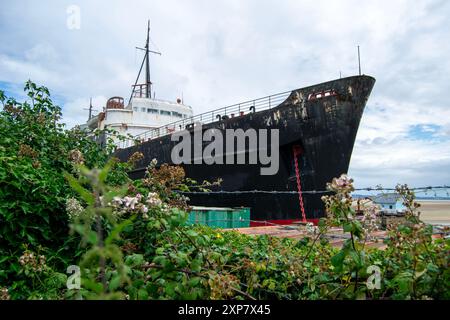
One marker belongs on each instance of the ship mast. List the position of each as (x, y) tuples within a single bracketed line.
[(148, 93), (359, 61), (146, 60), (90, 109)]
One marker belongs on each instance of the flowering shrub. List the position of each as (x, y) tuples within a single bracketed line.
[(35, 150), (32, 263), (166, 259), (413, 265)]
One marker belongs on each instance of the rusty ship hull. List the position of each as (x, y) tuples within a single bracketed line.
[(317, 127)]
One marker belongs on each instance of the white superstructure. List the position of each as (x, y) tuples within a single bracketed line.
[(141, 115)]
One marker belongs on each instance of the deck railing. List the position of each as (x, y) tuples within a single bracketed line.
[(228, 112)]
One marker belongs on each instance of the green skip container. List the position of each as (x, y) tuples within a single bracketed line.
[(225, 218)]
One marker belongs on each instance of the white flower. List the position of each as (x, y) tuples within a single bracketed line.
[(344, 180), (130, 202), (73, 208), (127, 201), (117, 200), (134, 201), (153, 199), (311, 228)]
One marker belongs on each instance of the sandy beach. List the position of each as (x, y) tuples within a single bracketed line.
[(435, 211)]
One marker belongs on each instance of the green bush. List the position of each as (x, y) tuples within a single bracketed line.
[(162, 258), (35, 150), (64, 201)]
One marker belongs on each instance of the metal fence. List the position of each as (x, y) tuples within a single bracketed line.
[(228, 112)]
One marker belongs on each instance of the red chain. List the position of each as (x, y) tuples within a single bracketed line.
[(297, 150)]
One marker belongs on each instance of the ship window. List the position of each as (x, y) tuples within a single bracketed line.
[(318, 95), (177, 114), (165, 113), (135, 108), (143, 109), (152, 111)]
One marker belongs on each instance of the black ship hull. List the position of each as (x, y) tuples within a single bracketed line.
[(319, 122)]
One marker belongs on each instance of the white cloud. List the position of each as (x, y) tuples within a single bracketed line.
[(75, 111)]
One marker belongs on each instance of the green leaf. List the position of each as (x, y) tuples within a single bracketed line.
[(91, 285), (192, 233), (348, 227), (194, 281), (357, 229), (134, 260), (360, 295), (338, 259), (356, 258), (196, 265), (85, 195), (142, 294), (114, 234), (104, 172), (418, 274), (92, 237), (115, 283)]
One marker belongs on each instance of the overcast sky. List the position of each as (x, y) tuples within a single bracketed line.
[(217, 53)]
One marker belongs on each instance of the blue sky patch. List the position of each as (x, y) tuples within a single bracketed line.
[(12, 90), (15, 90), (424, 131)]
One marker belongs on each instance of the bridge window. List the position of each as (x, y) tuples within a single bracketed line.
[(165, 113), (135, 109), (177, 114), (152, 111)]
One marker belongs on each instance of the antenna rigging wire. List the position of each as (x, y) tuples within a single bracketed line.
[(137, 78)]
